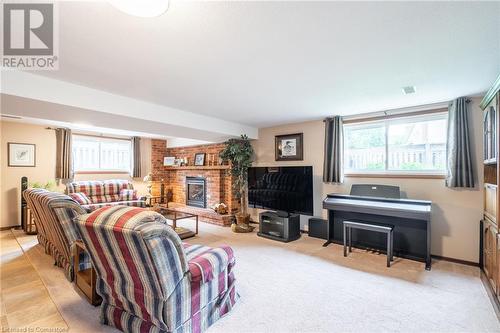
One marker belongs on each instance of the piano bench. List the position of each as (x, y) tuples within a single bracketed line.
[(377, 227)]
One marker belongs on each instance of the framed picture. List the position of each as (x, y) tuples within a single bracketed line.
[(168, 161), (289, 147), (21, 154), (199, 159)]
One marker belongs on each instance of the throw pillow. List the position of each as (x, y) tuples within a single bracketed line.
[(81, 198), (127, 195)]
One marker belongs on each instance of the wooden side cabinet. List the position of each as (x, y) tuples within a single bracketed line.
[(497, 268), (490, 240), (490, 134), (490, 253), (28, 222), (85, 279), (490, 201)]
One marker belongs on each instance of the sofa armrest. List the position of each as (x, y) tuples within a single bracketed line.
[(209, 264), (167, 254), (69, 205)]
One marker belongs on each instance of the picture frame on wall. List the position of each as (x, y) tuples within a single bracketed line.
[(169, 161), (199, 159), (21, 154), (289, 147)]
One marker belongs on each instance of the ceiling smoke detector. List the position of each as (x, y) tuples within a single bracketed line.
[(409, 90)]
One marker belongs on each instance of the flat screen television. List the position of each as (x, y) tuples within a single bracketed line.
[(286, 189)]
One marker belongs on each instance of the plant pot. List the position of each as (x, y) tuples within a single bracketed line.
[(242, 218), (242, 225)]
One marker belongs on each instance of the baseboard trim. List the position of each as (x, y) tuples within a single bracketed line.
[(457, 261), (491, 294), (10, 227)]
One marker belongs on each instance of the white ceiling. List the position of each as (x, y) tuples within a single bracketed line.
[(266, 63)]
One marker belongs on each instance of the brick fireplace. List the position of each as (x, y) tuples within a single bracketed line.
[(217, 185)]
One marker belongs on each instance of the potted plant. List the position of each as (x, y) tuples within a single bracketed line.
[(239, 152), (49, 186)]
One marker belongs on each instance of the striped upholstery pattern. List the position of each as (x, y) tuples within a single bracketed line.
[(126, 195), (132, 203), (149, 280), (53, 214), (80, 197), (104, 193), (203, 261)]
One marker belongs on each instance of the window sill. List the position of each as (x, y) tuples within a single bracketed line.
[(396, 175), (103, 172)]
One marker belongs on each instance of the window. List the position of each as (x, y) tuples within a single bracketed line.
[(101, 154), (414, 144)]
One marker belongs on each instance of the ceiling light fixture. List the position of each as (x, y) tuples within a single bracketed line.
[(141, 8), (409, 90)]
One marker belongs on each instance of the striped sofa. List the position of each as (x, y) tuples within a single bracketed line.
[(149, 280), (53, 214), (98, 193)]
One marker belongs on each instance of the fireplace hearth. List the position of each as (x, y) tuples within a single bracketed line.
[(196, 192)]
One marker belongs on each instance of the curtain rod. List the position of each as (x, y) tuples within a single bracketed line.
[(422, 109), (394, 115), (96, 136), (398, 112), (104, 136)]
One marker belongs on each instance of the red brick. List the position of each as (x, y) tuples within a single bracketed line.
[(219, 182)]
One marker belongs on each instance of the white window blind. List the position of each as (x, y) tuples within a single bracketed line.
[(101, 154)]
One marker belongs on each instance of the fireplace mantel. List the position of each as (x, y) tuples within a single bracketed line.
[(196, 167)]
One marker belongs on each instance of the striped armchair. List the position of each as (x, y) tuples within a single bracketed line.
[(96, 194), (53, 213), (149, 280)]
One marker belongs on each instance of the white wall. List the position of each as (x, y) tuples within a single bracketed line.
[(11, 176), (45, 140), (455, 213)]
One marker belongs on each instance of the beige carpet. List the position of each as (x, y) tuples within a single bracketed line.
[(303, 287)]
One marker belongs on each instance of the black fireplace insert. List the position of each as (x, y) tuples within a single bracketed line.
[(196, 193)]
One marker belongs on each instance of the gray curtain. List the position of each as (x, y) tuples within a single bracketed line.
[(332, 165), (64, 157), (460, 165), (136, 146)]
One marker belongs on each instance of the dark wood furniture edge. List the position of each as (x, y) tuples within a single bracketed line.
[(189, 233), (492, 175), (491, 294), (88, 289)]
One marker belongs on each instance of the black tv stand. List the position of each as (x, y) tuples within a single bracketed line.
[(281, 213), (274, 225)]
